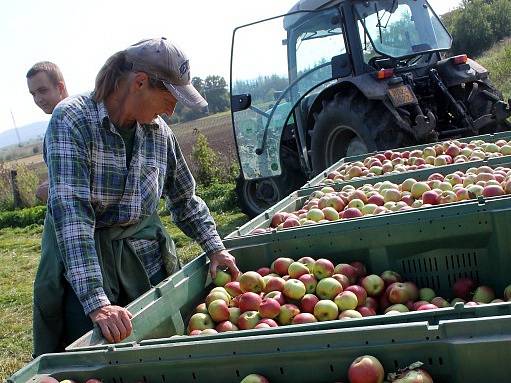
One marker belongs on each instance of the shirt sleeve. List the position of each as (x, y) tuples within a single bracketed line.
[(68, 160), (189, 212)]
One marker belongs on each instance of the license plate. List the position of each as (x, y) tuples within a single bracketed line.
[(402, 95)]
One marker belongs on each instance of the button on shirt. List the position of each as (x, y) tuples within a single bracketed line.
[(92, 186)]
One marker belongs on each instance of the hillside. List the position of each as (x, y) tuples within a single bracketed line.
[(498, 61)]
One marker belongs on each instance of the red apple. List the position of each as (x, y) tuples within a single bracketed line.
[(360, 292), (389, 277), (249, 301), (397, 293), (310, 282), (366, 369), (263, 271), (348, 270), (360, 267), (287, 312), (218, 310), (366, 311), (345, 282), (269, 322), (463, 288), (431, 197), (226, 326), (280, 265), (269, 308), (278, 295), (428, 306), (251, 281), (274, 284), (233, 288), (351, 213), (308, 302), (323, 268), (304, 318), (248, 320)]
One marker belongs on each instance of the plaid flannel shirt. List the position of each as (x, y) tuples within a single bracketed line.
[(90, 186)]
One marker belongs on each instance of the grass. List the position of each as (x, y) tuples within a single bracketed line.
[(498, 61), (19, 256)]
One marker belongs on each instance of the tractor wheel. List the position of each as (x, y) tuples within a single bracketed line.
[(481, 99), (255, 196), (350, 125)]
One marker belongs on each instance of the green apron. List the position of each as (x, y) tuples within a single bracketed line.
[(124, 276)]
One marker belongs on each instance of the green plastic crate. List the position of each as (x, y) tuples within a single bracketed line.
[(468, 351), (470, 239), (318, 180), (296, 200)]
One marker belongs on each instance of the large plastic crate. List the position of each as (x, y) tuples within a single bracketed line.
[(318, 180), (470, 239), (296, 200), (468, 351)]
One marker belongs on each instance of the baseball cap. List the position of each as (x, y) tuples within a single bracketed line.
[(163, 60)]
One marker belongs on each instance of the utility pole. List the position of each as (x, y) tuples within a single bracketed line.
[(16, 128)]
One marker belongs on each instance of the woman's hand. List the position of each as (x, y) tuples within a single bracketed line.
[(223, 258), (114, 322)]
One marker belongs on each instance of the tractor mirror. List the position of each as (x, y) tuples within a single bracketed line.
[(341, 66), (240, 102)]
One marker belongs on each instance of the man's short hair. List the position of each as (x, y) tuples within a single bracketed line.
[(51, 69)]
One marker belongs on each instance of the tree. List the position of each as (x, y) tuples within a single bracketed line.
[(215, 92)]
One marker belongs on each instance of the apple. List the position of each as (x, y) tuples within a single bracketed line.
[(200, 321), (269, 322), (218, 310), (397, 307), (373, 284), (330, 213), (290, 222), (308, 302), (471, 304), (264, 271), (347, 300), (278, 218), (278, 295), (440, 302), (274, 284), (348, 270), (366, 369), (269, 308), (426, 294), (360, 267), (234, 314), (92, 380), (431, 197), (325, 310), (281, 265), (249, 301), (352, 213), (251, 281), (248, 320), (347, 314), (233, 288), (310, 282), (201, 308), (323, 268), (389, 277), (413, 291), (287, 312), (463, 288), (360, 292), (345, 282), (366, 311), (304, 318), (397, 293), (297, 269), (483, 294), (294, 289), (222, 278), (428, 306), (254, 378), (418, 304), (507, 293), (376, 199), (226, 326), (260, 325), (328, 288), (336, 202), (493, 191), (214, 295), (315, 214)]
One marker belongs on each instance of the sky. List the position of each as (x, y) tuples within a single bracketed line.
[(80, 35)]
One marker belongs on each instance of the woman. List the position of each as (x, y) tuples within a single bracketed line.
[(110, 159)]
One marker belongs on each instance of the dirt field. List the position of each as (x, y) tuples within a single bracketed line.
[(217, 129)]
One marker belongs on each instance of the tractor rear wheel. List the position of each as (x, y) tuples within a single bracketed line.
[(349, 125)]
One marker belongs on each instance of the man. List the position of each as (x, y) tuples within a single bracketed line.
[(111, 158), (47, 87)]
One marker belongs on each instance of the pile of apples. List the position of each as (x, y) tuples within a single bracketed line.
[(308, 291), (327, 205), (441, 154), (368, 369)]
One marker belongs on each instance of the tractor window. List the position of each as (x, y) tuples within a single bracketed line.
[(402, 28), (318, 39)]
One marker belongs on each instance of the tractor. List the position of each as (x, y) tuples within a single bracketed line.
[(336, 78)]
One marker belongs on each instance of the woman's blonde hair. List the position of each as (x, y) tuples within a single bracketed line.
[(115, 70)]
